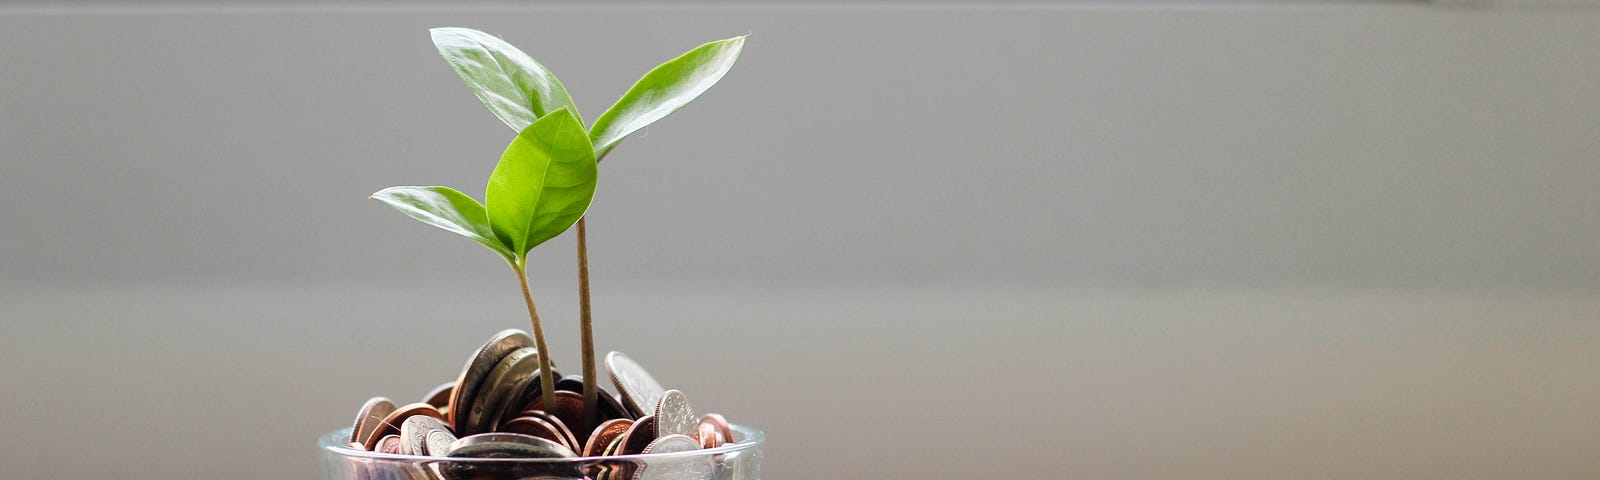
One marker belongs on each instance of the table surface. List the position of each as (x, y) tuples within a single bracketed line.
[(235, 381)]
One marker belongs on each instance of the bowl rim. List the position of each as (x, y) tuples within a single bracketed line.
[(753, 439)]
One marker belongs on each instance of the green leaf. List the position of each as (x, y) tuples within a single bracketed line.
[(543, 183), (446, 208), (664, 90), (515, 87)]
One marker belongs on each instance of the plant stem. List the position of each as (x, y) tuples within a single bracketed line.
[(591, 387), (547, 382)]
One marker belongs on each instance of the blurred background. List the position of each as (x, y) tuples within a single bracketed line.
[(954, 239)]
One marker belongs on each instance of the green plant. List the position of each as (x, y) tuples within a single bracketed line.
[(546, 179), (544, 182)]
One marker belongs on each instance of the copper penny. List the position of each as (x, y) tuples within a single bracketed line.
[(569, 408), (604, 434), (639, 436), (708, 436), (478, 367), (439, 397), (389, 444), (607, 403), (561, 426), (368, 418), (570, 383), (391, 424), (721, 425), (534, 426)]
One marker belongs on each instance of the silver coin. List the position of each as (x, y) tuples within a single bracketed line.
[(438, 443), (507, 445), (370, 416), (672, 443), (640, 391), (674, 416), (478, 367), (416, 431), (688, 468), (509, 378)]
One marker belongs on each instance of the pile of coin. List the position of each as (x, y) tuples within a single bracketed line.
[(495, 409)]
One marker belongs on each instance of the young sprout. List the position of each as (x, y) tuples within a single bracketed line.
[(521, 92), (544, 182)]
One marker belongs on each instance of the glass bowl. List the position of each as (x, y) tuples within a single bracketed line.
[(733, 461)]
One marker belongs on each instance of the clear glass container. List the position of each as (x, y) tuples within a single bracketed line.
[(733, 461)]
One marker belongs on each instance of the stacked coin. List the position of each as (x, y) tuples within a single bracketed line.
[(495, 409)]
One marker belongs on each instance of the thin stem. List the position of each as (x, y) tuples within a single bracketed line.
[(591, 387), (547, 382)]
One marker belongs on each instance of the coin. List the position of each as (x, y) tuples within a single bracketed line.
[(611, 408), (417, 430), (524, 401), (640, 391), (438, 443), (388, 444), (614, 469), (478, 367), (497, 407), (671, 443), (680, 468), (674, 416), (391, 424), (569, 408), (508, 378), (562, 428), (357, 446), (721, 425), (615, 447), (506, 445), (535, 426), (439, 397), (570, 383), (708, 436), (367, 419), (639, 436), (604, 434)]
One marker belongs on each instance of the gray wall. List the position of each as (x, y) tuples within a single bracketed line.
[(1078, 240), (1407, 146)]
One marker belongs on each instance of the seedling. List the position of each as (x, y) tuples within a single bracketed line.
[(546, 178)]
